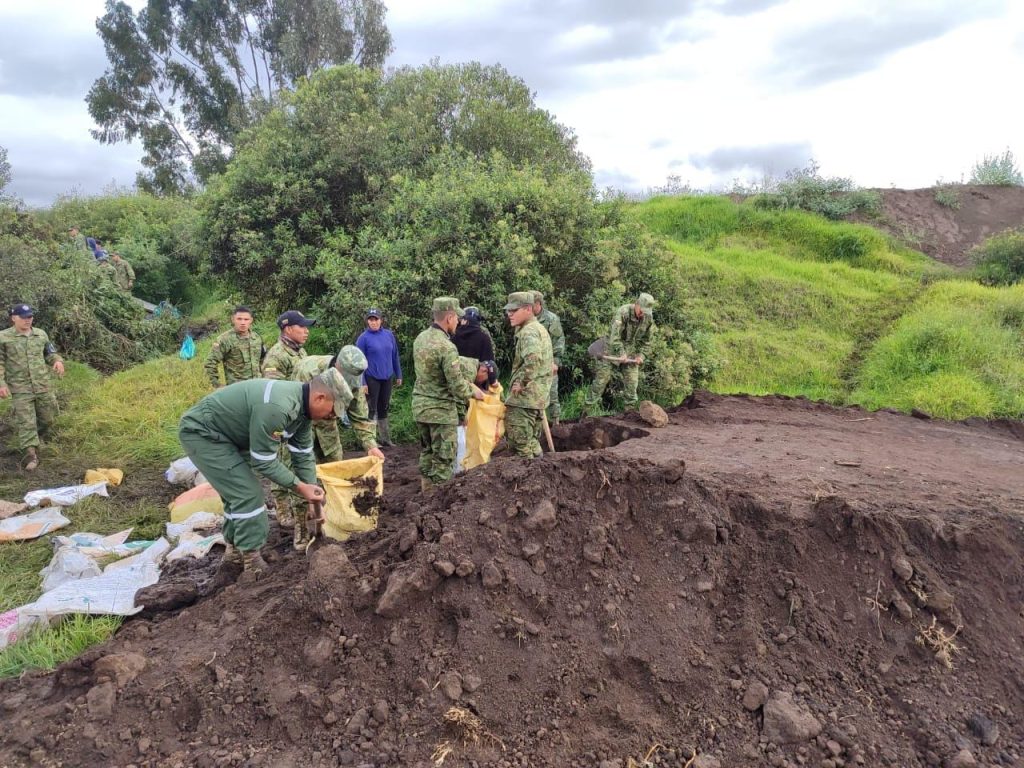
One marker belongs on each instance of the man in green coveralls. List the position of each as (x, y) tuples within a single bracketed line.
[(234, 434), (530, 384), (629, 339), (280, 363), (350, 362), (553, 325), (239, 351), (26, 359), (440, 387)]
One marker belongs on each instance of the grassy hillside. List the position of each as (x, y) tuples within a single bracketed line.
[(839, 312)]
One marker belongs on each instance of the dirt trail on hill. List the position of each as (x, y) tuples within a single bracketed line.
[(761, 582), (948, 234)]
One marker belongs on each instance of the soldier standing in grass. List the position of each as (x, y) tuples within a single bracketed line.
[(124, 275), (440, 388), (629, 339), (281, 362), (238, 432), (26, 359), (239, 351), (553, 325), (350, 362), (530, 384)]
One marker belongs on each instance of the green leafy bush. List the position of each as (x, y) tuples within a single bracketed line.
[(806, 189), (1000, 259), (1000, 170), (948, 195)]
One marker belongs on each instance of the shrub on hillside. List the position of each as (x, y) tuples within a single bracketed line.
[(947, 195), (1000, 170), (158, 235), (807, 190), (1000, 259), (86, 316)]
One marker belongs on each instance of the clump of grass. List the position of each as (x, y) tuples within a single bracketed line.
[(948, 195), (940, 642), (48, 648), (465, 729)]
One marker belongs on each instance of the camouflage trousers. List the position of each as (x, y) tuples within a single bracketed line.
[(327, 439), (33, 413), (603, 372), (522, 431), (291, 508), (554, 407), (438, 446)]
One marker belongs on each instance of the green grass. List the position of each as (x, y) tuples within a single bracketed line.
[(958, 352), (48, 648)]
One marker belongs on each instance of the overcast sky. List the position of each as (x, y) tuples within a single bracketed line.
[(889, 92)]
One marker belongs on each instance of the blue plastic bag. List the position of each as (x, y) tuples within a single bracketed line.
[(188, 348)]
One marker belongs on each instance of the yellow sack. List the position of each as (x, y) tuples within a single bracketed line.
[(485, 425), (353, 488), (111, 476), (202, 498)]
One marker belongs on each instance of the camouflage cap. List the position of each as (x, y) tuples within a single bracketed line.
[(447, 304), (351, 360), (342, 392), (519, 299), (646, 303), (538, 297)]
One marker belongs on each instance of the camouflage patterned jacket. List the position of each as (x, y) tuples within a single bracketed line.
[(240, 355), (282, 359), (357, 408), (531, 367), (628, 336), (124, 275), (440, 384), (553, 324), (25, 361)]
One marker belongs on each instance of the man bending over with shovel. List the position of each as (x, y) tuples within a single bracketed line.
[(235, 432), (629, 338)]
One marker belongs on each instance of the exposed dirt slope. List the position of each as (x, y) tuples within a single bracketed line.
[(749, 583), (948, 234)]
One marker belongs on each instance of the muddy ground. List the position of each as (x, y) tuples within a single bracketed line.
[(761, 582)]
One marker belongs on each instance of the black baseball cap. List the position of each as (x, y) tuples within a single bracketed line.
[(21, 310), (294, 317), (374, 312)]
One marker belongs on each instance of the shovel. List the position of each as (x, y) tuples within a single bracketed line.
[(314, 519)]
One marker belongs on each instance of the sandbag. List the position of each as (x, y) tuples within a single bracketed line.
[(485, 425), (353, 488), (202, 498)]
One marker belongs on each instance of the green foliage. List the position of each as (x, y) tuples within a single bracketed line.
[(1000, 170), (86, 316), (157, 235), (48, 648), (948, 195), (186, 77), (806, 189), (955, 354), (1000, 259), (5, 171)]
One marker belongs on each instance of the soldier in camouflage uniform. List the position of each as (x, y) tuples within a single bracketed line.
[(629, 337), (77, 242), (350, 362), (124, 275), (553, 324), (530, 383), (26, 358), (103, 262), (240, 351), (440, 386), (235, 434), (280, 363)]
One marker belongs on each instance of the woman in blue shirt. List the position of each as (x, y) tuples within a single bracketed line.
[(381, 349)]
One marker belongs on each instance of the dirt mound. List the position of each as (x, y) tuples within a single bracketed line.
[(761, 582), (948, 234)]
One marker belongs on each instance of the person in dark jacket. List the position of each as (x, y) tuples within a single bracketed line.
[(381, 349), (471, 338)]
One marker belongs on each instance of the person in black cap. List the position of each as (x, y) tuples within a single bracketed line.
[(471, 338), (381, 349), (26, 358), (282, 358)]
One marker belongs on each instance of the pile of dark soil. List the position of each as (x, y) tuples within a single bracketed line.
[(761, 582)]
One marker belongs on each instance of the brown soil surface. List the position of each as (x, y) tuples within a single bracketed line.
[(948, 234), (751, 583)]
